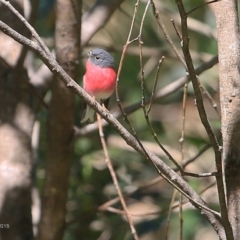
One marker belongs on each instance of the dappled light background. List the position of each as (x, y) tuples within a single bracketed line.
[(91, 213)]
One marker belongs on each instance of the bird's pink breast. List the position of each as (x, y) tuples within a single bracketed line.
[(99, 82)]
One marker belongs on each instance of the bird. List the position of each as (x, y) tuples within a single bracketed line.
[(99, 80)]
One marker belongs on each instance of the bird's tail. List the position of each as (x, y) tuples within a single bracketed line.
[(89, 115)]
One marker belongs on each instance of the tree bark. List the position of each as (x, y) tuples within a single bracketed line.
[(229, 76), (60, 123)]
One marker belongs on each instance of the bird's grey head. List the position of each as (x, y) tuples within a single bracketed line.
[(101, 57)]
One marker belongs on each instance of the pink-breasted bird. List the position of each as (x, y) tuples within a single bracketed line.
[(99, 80)]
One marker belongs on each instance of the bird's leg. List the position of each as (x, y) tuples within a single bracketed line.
[(105, 103), (104, 107)]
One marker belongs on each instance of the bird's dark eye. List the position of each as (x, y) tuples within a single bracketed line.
[(97, 57)]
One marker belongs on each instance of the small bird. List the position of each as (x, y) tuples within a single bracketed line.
[(99, 80)]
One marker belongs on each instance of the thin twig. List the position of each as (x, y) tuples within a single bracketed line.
[(166, 34), (114, 178), (140, 43), (210, 99), (176, 29), (181, 141), (204, 4), (32, 20), (126, 195), (155, 137), (169, 213), (201, 151), (200, 175), (155, 85)]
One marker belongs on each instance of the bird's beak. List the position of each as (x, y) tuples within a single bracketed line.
[(89, 54)]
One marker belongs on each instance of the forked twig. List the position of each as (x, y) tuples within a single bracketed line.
[(155, 85), (210, 99)]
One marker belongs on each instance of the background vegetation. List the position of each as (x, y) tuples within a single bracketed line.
[(66, 161)]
